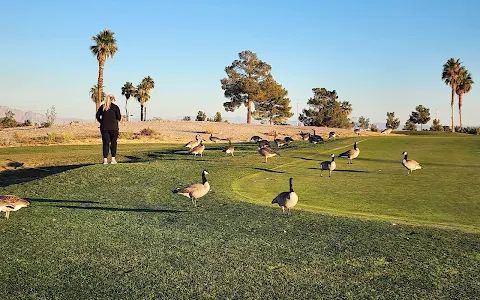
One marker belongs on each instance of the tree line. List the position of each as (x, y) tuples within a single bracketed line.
[(249, 82)]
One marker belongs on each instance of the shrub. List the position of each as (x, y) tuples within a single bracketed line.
[(218, 117), (373, 128), (46, 124), (59, 137), (22, 138), (201, 116), (147, 132), (436, 126), (126, 135), (187, 118)]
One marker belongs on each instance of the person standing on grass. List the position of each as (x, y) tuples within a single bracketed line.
[(108, 115)]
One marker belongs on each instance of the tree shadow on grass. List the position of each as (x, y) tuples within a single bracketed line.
[(345, 171), (122, 209), (9, 177), (269, 170)]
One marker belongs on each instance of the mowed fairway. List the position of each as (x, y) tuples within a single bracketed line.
[(118, 232), (444, 193)]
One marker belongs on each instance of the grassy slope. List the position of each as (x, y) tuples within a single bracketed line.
[(118, 232)]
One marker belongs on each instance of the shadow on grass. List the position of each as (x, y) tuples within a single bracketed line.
[(124, 209), (62, 201), (268, 170), (17, 176), (345, 171)]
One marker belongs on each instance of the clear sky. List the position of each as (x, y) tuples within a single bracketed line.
[(379, 55)]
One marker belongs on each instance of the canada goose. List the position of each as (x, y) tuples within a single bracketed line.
[(198, 149), (192, 144), (214, 138), (410, 164), (315, 138), (305, 136), (280, 143), (387, 131), (332, 135), (263, 143), (286, 200), (229, 149), (267, 152), (351, 154), (288, 140), (195, 190), (10, 203), (328, 165), (357, 131), (255, 139)]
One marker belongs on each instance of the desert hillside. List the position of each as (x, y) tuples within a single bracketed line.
[(164, 131)]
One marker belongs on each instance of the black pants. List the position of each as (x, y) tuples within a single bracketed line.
[(109, 139)]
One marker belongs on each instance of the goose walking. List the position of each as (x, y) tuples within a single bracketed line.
[(267, 152), (198, 149), (255, 138), (192, 144), (196, 190), (214, 138), (332, 135), (328, 165), (229, 149), (286, 200), (387, 131), (10, 203), (410, 164), (351, 154)]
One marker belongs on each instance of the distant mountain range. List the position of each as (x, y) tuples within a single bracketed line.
[(22, 116)]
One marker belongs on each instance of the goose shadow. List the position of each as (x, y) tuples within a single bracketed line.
[(345, 171), (122, 209), (61, 201), (269, 170)]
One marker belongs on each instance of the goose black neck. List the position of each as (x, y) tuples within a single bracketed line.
[(333, 158), (291, 185), (204, 178), (405, 157), (355, 146)]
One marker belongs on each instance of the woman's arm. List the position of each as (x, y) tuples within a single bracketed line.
[(118, 114)]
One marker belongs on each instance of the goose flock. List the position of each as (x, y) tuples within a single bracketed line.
[(285, 200)]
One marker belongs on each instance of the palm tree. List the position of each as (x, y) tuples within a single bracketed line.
[(142, 96), (450, 75), (94, 95), (105, 47), (464, 86), (148, 84), (128, 90)]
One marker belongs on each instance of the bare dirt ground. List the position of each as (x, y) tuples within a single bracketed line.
[(165, 131)]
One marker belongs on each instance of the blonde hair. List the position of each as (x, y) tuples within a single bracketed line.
[(108, 102)]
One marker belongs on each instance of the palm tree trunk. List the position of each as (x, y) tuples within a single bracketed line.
[(145, 112), (460, 103), (452, 103), (249, 112), (101, 65), (126, 110), (141, 112)]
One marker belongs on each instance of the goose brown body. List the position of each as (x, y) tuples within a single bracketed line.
[(10, 203), (328, 165), (193, 144), (196, 190), (267, 152), (198, 149), (229, 149), (410, 164), (351, 154), (286, 200)]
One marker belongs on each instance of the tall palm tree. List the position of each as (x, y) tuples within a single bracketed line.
[(128, 90), (450, 75), (94, 95), (464, 86), (105, 47), (148, 84), (142, 96)]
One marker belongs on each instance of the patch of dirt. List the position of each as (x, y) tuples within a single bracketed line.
[(165, 132)]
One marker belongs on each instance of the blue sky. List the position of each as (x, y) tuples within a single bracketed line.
[(379, 55)]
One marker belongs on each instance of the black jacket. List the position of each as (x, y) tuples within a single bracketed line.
[(109, 119)]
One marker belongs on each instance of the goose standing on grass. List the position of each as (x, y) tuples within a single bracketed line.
[(10, 203), (288, 140), (328, 165), (305, 136), (315, 138), (332, 135), (229, 149), (387, 131), (263, 143), (286, 200), (357, 131), (198, 149), (192, 144), (410, 164), (255, 139), (267, 152), (195, 190), (351, 154), (279, 142), (214, 138)]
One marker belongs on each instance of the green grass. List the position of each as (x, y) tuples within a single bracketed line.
[(117, 231)]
